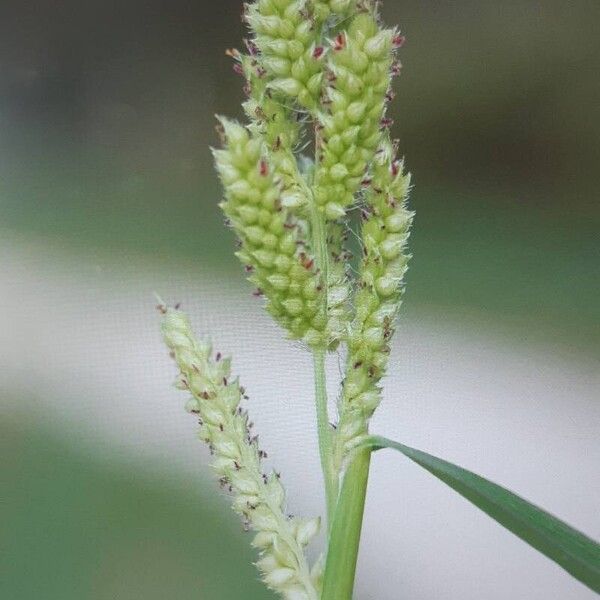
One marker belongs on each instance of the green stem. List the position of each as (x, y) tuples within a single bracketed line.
[(324, 430), (344, 537), (319, 242)]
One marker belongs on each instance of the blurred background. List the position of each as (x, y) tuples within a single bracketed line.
[(107, 194)]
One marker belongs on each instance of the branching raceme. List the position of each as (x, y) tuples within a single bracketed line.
[(258, 497), (318, 77), (385, 233)]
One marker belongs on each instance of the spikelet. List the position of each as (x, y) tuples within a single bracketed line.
[(259, 498), (334, 8), (385, 231)]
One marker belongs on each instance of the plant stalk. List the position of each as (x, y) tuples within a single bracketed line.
[(344, 536), (319, 241), (324, 431)]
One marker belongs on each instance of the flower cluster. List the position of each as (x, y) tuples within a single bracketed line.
[(333, 60), (258, 497), (385, 231), (352, 121), (272, 241)]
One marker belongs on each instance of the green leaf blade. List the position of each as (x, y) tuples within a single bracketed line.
[(575, 552)]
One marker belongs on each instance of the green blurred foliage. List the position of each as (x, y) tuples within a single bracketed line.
[(76, 526)]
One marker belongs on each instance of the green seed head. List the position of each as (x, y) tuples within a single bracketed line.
[(385, 234), (273, 245), (237, 460), (322, 66), (319, 75)]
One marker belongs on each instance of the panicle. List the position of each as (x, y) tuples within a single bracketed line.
[(322, 67), (322, 70), (259, 498), (334, 8), (385, 232)]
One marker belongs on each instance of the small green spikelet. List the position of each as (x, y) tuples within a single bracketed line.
[(335, 8)]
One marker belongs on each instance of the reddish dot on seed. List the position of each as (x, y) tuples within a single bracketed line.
[(396, 69), (340, 42), (318, 52), (252, 47), (399, 41), (264, 168)]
